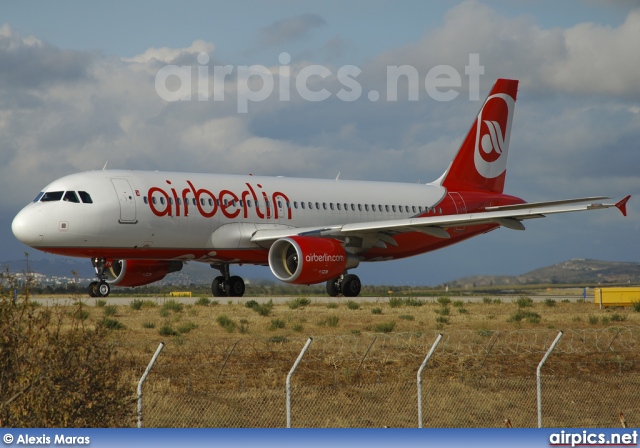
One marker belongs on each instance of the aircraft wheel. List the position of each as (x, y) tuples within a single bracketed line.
[(351, 285), (234, 287), (217, 287), (104, 289), (93, 289), (332, 288)]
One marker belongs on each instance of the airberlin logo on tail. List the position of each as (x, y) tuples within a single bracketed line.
[(208, 203), (493, 127)]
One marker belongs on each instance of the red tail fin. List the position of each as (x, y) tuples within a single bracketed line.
[(481, 162)]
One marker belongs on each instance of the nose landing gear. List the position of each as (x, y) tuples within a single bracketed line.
[(100, 288)]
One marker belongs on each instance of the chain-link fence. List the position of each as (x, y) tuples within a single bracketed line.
[(474, 379)]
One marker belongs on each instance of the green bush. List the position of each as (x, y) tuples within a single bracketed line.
[(444, 301), (226, 322), (111, 324), (407, 317), (298, 302), (376, 311), (524, 302), (149, 325), (100, 303), (172, 305), (110, 310), (276, 324), (550, 302), (352, 305), (203, 301), (136, 304), (385, 327), (167, 330), (636, 307), (187, 327)]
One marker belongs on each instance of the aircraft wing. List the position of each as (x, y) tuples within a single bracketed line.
[(510, 216)]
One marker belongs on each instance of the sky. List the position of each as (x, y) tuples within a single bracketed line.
[(86, 83)]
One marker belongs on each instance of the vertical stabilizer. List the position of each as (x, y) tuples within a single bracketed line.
[(481, 162)]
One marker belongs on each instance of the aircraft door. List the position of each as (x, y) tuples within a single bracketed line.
[(127, 201)]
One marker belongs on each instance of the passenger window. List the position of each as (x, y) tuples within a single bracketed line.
[(249, 203), (302, 205), (201, 201), (153, 200), (162, 200), (324, 205), (386, 207), (331, 205), (146, 201), (211, 202), (171, 201), (317, 206), (366, 207), (85, 197), (393, 207), (71, 196), (52, 196), (338, 205), (359, 207)]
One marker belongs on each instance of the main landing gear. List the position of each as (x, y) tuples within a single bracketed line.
[(226, 285), (100, 288), (348, 285)]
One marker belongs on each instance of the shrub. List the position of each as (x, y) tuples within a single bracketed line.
[(463, 310), (226, 323), (618, 317), (487, 300), (167, 330), (636, 307), (172, 305), (407, 317), (79, 313), (410, 301), (353, 305), (149, 325), (385, 327), (549, 302), (110, 310), (187, 327), (203, 301), (458, 303), (276, 324), (443, 311), (330, 321), (298, 303), (136, 304), (529, 316), (395, 302), (524, 302), (49, 367), (376, 311), (332, 305), (111, 324), (100, 303), (263, 309), (442, 320), (244, 326), (297, 327), (444, 301), (593, 320)]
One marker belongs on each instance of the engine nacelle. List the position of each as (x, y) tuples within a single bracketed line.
[(138, 272), (305, 260)]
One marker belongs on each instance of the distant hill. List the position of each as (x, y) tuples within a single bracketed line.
[(577, 271)]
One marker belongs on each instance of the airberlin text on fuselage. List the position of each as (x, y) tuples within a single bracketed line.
[(207, 203)]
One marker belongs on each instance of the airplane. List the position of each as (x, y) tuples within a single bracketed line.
[(138, 226)]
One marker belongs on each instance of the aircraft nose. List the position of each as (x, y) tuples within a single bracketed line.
[(28, 226)]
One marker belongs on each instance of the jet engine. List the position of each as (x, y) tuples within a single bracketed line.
[(138, 272), (304, 260)]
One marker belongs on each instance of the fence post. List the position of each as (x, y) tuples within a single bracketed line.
[(293, 369), (144, 377), (424, 363), (539, 377)]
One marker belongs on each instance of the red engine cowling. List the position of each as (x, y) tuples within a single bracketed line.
[(139, 272), (304, 260)]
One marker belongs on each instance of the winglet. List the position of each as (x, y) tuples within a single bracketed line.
[(622, 205)]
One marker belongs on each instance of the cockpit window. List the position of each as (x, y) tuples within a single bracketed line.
[(51, 196), (86, 198), (39, 196), (71, 196)]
